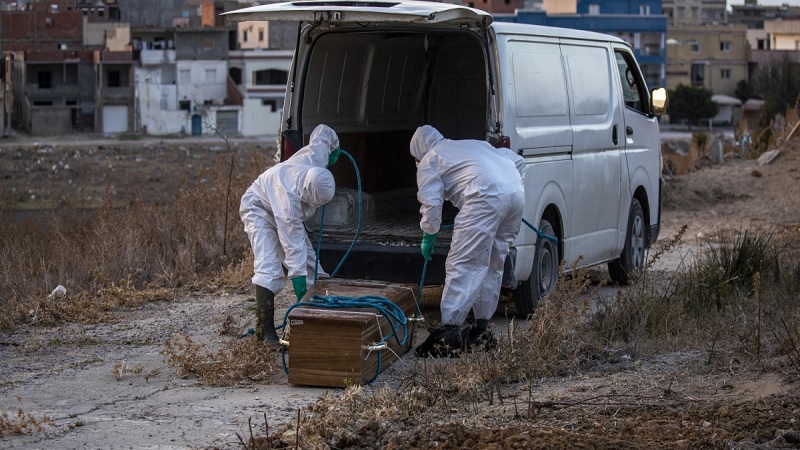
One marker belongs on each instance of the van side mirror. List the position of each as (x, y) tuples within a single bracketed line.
[(659, 101)]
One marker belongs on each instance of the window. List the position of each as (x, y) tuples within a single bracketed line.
[(244, 36), (725, 46), (631, 82), (761, 44), (694, 45), (270, 76), (44, 81), (725, 74), (260, 35), (211, 75), (698, 74), (185, 76), (113, 79), (269, 102), (644, 10), (594, 9), (185, 105)]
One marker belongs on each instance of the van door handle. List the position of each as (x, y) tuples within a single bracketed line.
[(629, 131), (614, 138)]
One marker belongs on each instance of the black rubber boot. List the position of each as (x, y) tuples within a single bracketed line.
[(447, 341), (480, 336), (265, 317)]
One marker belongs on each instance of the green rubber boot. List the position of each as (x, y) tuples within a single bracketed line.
[(265, 317)]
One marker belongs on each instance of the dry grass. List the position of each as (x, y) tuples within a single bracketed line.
[(560, 338), (236, 361), (105, 256), (21, 422)]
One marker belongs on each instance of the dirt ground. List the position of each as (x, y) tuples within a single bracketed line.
[(107, 386)]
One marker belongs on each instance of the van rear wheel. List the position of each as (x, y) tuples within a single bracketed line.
[(631, 261), (544, 274)]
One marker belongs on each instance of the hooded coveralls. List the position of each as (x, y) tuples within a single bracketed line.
[(275, 206), (485, 184)]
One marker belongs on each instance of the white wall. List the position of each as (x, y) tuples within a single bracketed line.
[(259, 120), (157, 106), (199, 88)]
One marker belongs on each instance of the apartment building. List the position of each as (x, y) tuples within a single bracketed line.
[(694, 12), (714, 57)]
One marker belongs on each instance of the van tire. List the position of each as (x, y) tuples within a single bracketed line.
[(544, 274), (631, 261)]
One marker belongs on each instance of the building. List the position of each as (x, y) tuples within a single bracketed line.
[(753, 16), (783, 34), (694, 12), (714, 57), (639, 23), (71, 68)]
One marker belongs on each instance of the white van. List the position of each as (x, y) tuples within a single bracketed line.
[(573, 103)]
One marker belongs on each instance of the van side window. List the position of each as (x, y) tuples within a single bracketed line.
[(631, 83)]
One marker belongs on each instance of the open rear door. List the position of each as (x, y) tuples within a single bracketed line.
[(362, 12)]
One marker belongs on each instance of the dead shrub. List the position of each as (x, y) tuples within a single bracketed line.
[(21, 422), (724, 273), (236, 361), (643, 311)]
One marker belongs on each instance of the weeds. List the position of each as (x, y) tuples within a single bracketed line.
[(645, 310), (21, 422), (238, 360), (725, 272), (154, 247)]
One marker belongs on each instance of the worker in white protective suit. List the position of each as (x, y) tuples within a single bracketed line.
[(485, 184), (273, 210)]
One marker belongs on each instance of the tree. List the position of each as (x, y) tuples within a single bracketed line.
[(691, 104), (778, 83), (744, 91)]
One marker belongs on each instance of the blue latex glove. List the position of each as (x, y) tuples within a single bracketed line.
[(427, 245), (300, 288), (334, 156)]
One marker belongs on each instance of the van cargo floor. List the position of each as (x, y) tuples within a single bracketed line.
[(399, 230)]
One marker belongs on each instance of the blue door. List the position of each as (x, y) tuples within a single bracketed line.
[(197, 125)]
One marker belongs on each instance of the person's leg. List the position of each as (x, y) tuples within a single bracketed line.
[(485, 306), (508, 225), (268, 275), (466, 267), (468, 261), (265, 317)]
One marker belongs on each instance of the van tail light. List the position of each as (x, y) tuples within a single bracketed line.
[(502, 142), (287, 149), (291, 141)]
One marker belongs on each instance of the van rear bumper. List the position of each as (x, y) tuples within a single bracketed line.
[(398, 264)]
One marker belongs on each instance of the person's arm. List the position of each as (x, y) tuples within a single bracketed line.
[(518, 161), (430, 195)]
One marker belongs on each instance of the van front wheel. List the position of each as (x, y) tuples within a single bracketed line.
[(544, 274), (631, 261)]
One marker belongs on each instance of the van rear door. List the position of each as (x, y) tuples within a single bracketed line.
[(363, 12)]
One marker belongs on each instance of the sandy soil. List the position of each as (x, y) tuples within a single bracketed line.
[(106, 385)]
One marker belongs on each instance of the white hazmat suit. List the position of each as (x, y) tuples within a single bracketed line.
[(275, 206), (485, 184)]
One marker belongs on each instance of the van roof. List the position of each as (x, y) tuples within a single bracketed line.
[(556, 32)]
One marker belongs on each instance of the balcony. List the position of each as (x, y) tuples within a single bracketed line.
[(157, 57)]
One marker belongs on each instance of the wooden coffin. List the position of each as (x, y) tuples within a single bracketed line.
[(330, 346)]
